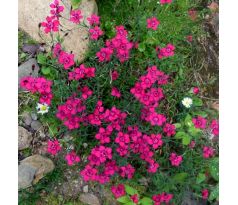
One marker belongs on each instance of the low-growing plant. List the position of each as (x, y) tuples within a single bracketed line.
[(130, 103)]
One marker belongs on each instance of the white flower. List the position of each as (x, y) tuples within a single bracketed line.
[(42, 108), (187, 102)]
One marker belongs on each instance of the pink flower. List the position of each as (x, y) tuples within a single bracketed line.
[(215, 127), (155, 140), (56, 50), (103, 135), (89, 173), (118, 191), (46, 98), (162, 198), (152, 23), (75, 16), (205, 193), (56, 9), (192, 144), (66, 59), (199, 122), (95, 32), (127, 171), (53, 147), (169, 129), (51, 25), (153, 166), (94, 20), (115, 92), (114, 75), (86, 92), (175, 159), (135, 198), (165, 1), (72, 122), (121, 31), (157, 119), (189, 38), (122, 139), (196, 90), (166, 51), (72, 158), (104, 54), (208, 152)]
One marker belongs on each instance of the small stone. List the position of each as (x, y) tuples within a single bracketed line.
[(89, 199), (24, 138), (42, 165), (27, 118), (34, 116), (85, 189), (25, 176), (85, 145), (36, 125), (29, 68)]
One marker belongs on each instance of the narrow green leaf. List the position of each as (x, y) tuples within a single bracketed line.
[(200, 178)]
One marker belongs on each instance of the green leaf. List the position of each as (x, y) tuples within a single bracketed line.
[(130, 190), (186, 139), (179, 135), (188, 121), (194, 131), (45, 70), (75, 3), (180, 177), (200, 178), (130, 203), (141, 47), (197, 102), (214, 168), (214, 194), (146, 201), (177, 125), (124, 199), (41, 58), (200, 113)]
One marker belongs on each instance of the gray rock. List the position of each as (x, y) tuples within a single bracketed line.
[(25, 176), (89, 199), (36, 125), (29, 68), (85, 189), (32, 12), (34, 116), (42, 165), (24, 138), (27, 118)]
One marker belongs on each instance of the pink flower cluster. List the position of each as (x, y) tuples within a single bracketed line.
[(52, 22), (64, 58), (118, 191), (215, 127), (40, 85), (175, 159), (75, 16), (72, 158), (119, 44), (53, 147), (208, 152), (68, 112), (82, 72), (153, 23), (162, 198), (95, 33), (166, 51), (150, 97), (205, 193)]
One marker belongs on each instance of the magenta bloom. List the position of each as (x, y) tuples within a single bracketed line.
[(122, 139), (94, 20), (86, 92), (66, 59), (199, 122), (162, 198), (118, 191), (95, 32), (135, 198), (127, 171), (104, 54), (75, 16), (166, 51), (189, 38), (175, 159), (152, 23), (72, 158), (51, 25), (155, 141), (157, 119), (89, 173), (169, 129), (215, 127), (165, 1), (56, 50), (115, 92), (196, 90), (205, 193), (153, 166), (208, 152), (56, 9), (53, 147), (115, 75)]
